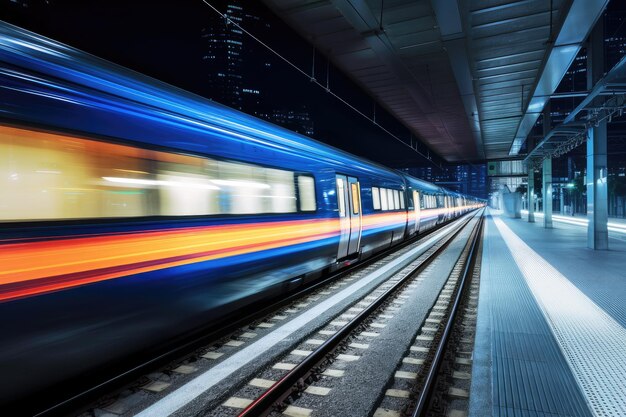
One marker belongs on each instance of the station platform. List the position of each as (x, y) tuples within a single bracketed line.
[(550, 337)]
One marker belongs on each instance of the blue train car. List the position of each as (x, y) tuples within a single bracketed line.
[(134, 213)]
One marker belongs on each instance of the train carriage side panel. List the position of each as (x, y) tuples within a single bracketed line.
[(382, 226)]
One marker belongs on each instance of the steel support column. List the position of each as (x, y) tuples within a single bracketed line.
[(547, 174), (596, 178), (597, 195), (530, 193), (547, 193)]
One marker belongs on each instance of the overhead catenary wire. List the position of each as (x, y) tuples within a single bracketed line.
[(313, 80)]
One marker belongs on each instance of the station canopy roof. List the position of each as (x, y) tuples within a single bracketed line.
[(467, 77)]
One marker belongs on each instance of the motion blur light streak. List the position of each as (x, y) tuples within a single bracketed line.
[(613, 227), (232, 183), (66, 263), (137, 181), (71, 262)]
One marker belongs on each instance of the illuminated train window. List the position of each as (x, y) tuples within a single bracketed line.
[(46, 176), (306, 192), (386, 199), (356, 198), (390, 199), (428, 201), (384, 204), (376, 197), (341, 199)]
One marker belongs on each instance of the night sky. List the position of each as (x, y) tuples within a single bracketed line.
[(163, 40)]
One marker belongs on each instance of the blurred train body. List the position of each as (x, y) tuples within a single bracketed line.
[(134, 213)]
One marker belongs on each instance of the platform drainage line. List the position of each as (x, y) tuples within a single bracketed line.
[(202, 383), (593, 343)]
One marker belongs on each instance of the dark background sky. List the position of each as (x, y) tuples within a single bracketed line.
[(163, 40)]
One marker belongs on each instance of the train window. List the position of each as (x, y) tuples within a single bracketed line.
[(341, 199), (280, 195), (402, 200), (306, 193), (376, 197), (390, 199), (396, 199), (50, 176), (356, 201), (183, 188), (384, 204)]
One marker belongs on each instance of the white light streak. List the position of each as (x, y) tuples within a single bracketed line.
[(179, 184), (613, 227), (235, 183)]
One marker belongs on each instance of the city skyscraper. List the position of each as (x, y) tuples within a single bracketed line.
[(224, 56), (238, 68)]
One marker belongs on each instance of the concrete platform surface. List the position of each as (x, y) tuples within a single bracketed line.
[(550, 335)]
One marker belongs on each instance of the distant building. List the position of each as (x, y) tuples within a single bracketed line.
[(299, 121), (423, 173), (478, 181), (237, 68), (224, 56), (615, 37), (465, 179)]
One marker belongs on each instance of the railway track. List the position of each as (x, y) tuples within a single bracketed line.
[(427, 402), (303, 374), (352, 317), (281, 396)]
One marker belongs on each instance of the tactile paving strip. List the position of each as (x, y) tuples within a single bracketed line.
[(519, 369), (593, 343)]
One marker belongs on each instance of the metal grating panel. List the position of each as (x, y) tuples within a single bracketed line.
[(527, 374), (591, 340)]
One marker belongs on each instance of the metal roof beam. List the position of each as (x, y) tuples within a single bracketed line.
[(359, 15), (501, 7), (571, 128), (454, 40), (618, 72), (573, 31)]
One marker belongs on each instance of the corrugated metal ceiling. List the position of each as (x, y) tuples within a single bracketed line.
[(440, 65)]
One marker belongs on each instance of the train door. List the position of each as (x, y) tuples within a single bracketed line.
[(350, 216), (416, 210)]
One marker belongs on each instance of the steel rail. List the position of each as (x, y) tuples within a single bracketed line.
[(282, 388), (423, 401)]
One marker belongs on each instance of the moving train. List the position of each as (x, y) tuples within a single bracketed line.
[(133, 213)]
